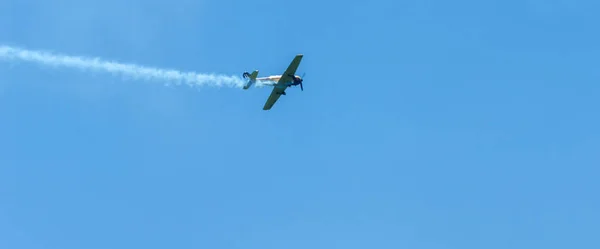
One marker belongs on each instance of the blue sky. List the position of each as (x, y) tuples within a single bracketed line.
[(423, 124)]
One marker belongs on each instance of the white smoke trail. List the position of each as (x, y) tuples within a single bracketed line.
[(131, 70)]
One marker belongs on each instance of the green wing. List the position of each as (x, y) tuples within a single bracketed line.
[(291, 70), (275, 94)]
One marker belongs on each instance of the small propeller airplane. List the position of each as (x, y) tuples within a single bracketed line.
[(279, 82)]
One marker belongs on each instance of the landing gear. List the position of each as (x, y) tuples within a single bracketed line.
[(282, 93)]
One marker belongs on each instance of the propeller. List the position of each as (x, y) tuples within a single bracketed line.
[(301, 79)]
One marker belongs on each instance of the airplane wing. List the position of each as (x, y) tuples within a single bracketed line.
[(281, 84), (275, 94), (291, 70)]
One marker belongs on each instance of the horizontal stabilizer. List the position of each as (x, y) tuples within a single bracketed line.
[(251, 80)]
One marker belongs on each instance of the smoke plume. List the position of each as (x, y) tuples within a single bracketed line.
[(9, 53)]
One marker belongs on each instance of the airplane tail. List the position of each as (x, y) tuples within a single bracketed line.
[(251, 78)]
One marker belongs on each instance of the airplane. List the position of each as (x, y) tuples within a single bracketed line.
[(279, 82)]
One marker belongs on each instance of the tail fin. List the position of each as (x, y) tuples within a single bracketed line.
[(252, 78)]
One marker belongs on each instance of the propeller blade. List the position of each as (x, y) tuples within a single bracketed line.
[(301, 87)]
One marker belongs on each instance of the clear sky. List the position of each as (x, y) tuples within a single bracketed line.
[(422, 124)]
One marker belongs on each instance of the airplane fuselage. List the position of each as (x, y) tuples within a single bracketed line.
[(273, 79)]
